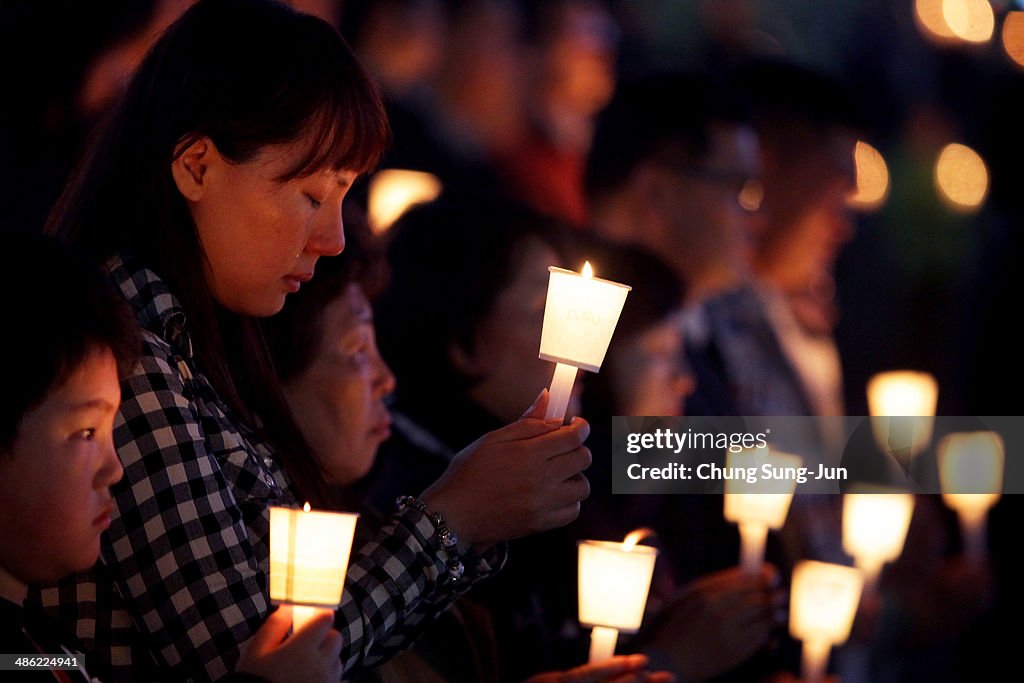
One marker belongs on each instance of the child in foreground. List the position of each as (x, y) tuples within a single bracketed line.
[(68, 340)]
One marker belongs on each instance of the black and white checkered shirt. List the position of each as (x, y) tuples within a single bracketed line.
[(183, 572)]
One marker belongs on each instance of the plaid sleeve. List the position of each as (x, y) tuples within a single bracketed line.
[(182, 578), (179, 550), (393, 590)]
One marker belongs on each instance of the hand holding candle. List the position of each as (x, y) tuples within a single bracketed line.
[(971, 473), (759, 505), (309, 554), (579, 320), (614, 579), (823, 602)]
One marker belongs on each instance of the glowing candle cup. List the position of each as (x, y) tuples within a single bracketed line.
[(614, 579), (902, 406), (971, 473), (394, 190), (579, 319), (875, 526), (823, 602), (759, 505), (309, 554)]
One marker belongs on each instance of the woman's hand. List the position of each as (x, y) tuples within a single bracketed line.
[(313, 650), (514, 481), (621, 669)]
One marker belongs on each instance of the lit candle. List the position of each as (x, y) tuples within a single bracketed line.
[(759, 505), (579, 319), (875, 526), (394, 190), (902, 406), (614, 579), (971, 473), (823, 602), (309, 554)]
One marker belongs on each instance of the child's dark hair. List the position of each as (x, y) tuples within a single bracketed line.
[(58, 310)]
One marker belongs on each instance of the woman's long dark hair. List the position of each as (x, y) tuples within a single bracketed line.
[(246, 73)]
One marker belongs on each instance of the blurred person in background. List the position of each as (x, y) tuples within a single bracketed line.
[(572, 51), (336, 383), (469, 284), (52, 101), (457, 95)]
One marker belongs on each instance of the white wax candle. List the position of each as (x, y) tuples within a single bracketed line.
[(814, 660), (614, 579), (874, 528), (971, 472), (602, 644), (759, 504), (753, 537), (580, 315), (561, 391), (823, 602)]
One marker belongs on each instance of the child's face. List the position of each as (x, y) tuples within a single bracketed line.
[(54, 495)]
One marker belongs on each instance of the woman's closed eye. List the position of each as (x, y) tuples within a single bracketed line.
[(313, 201)]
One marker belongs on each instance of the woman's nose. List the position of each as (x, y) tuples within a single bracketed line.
[(328, 237)]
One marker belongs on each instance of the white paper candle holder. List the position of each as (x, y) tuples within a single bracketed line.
[(579, 320), (875, 524), (614, 580), (759, 505), (823, 603), (309, 553), (902, 405), (971, 473)]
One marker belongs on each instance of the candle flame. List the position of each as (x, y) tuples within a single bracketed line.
[(635, 537), (587, 270), (306, 507)]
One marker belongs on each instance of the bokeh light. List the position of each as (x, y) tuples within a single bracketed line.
[(751, 195), (931, 22), (872, 178), (1013, 37), (970, 20), (393, 190), (961, 177)]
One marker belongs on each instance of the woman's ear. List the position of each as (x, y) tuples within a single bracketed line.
[(190, 165)]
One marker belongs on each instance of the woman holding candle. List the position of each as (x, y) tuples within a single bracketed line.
[(209, 195), (323, 343), (57, 458)]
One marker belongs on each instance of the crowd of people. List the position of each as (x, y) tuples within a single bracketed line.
[(204, 321)]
